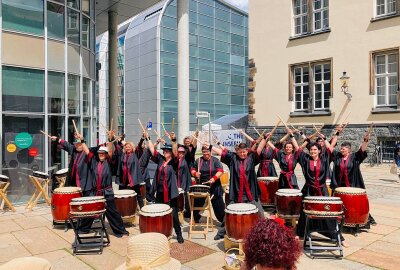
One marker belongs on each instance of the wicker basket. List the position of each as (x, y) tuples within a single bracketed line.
[(239, 259)]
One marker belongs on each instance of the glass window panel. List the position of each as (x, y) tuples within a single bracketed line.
[(169, 70), (73, 4), (237, 100), (236, 18), (169, 82), (206, 86), (392, 63), (237, 90), (222, 88), (206, 97), (193, 74), (205, 9), (85, 96), (239, 80), (168, 58), (221, 99), (85, 31), (56, 128), (170, 94), (167, 45), (222, 46), (73, 94), (222, 35), (222, 67), (23, 16), (208, 107), (169, 34), (223, 109), (194, 62), (222, 78), (206, 53), (193, 5), (237, 60), (236, 39), (193, 85), (193, 51), (222, 25), (194, 96), (206, 31), (55, 20), (206, 64), (168, 22), (86, 130), (206, 42), (192, 16), (86, 7), (23, 89), (237, 70), (73, 26), (193, 29), (221, 57), (206, 75), (193, 40), (222, 14), (205, 20), (56, 93), (237, 50)]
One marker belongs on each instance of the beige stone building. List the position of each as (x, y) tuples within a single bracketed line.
[(301, 49)]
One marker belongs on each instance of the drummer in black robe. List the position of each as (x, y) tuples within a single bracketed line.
[(190, 142), (165, 183), (100, 173), (77, 169), (183, 175), (315, 170), (208, 170), (243, 185), (139, 151), (346, 167), (287, 159), (129, 175)]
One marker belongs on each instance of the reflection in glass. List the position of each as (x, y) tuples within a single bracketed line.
[(55, 20), (85, 96), (86, 6), (73, 4), (85, 31), (56, 128), (23, 16), (73, 94), (73, 26), (56, 93)]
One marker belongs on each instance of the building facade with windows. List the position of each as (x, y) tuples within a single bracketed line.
[(301, 50), (47, 78), (218, 64)]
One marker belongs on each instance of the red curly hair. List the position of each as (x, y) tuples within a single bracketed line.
[(270, 244)]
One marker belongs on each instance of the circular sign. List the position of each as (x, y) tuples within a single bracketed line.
[(11, 147), (23, 140), (33, 152)]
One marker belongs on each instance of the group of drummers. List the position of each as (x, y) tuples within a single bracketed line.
[(178, 171)]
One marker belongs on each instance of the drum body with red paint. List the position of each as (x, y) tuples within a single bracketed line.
[(156, 218), (60, 202), (239, 218), (288, 203), (268, 187), (355, 201)]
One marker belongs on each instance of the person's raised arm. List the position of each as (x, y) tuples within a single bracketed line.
[(261, 145), (327, 144), (364, 145), (294, 142), (246, 135), (85, 149), (174, 144), (284, 138), (194, 140)]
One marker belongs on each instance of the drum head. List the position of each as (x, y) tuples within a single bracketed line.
[(67, 190), (268, 179), (288, 192), (241, 208), (125, 193), (153, 210), (180, 190), (40, 174), (85, 200), (322, 199), (350, 190), (62, 171), (4, 177)]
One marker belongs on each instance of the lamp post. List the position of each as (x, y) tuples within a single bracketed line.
[(203, 114), (344, 79)]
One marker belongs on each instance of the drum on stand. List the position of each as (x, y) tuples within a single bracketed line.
[(87, 206), (181, 199), (125, 202), (40, 175), (194, 181), (60, 202), (60, 177), (143, 190), (355, 201), (268, 186), (4, 178), (239, 218), (323, 206), (226, 194), (156, 218), (200, 189), (288, 203), (328, 186)]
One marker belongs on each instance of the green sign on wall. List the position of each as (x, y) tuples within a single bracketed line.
[(23, 140)]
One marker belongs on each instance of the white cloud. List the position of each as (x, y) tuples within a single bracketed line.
[(242, 4)]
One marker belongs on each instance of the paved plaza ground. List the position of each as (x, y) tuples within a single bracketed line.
[(31, 234)]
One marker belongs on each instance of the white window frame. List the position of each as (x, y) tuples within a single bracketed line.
[(301, 85), (323, 83), (386, 76), (386, 4), (324, 9), (303, 16)]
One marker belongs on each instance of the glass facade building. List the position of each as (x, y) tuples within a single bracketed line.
[(218, 63), (47, 80)]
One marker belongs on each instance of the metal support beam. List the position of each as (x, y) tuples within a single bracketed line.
[(112, 68)]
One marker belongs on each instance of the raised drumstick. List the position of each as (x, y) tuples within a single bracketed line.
[(173, 125), (111, 126), (284, 123), (44, 133), (140, 123), (73, 123), (370, 127)]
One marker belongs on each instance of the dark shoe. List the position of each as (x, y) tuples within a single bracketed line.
[(180, 239), (218, 237)]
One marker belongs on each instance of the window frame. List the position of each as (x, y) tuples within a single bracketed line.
[(310, 18), (321, 10), (385, 7)]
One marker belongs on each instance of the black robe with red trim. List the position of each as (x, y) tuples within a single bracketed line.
[(208, 169), (183, 176), (128, 171), (165, 178), (287, 163), (347, 173), (100, 173), (266, 167), (78, 171), (242, 175)]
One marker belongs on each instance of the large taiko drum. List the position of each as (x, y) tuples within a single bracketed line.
[(268, 186), (181, 199), (41, 175), (87, 206), (239, 218), (156, 218), (143, 190), (61, 176), (355, 201), (288, 203), (60, 202), (199, 189), (226, 194), (4, 178), (323, 206), (194, 181), (125, 202)]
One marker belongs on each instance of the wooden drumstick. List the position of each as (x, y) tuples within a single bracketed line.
[(104, 127), (370, 127), (284, 123), (274, 129), (140, 123), (73, 123), (158, 134), (257, 131), (346, 118), (111, 126), (162, 124), (173, 125), (44, 133)]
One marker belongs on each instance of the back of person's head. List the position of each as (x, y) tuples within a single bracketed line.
[(271, 244)]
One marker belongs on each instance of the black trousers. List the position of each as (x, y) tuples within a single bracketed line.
[(138, 193), (112, 215), (218, 206), (174, 205), (149, 197)]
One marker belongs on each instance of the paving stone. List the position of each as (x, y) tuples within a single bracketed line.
[(376, 259), (61, 260), (7, 226), (210, 262), (31, 222), (4, 217), (384, 247), (119, 245), (394, 237), (40, 240), (11, 248), (108, 260), (381, 228)]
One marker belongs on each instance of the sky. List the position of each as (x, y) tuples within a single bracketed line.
[(242, 4)]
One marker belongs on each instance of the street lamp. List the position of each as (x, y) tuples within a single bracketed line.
[(203, 114), (345, 85)]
